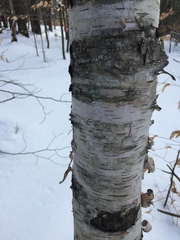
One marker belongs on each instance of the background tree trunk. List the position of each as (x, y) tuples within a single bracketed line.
[(173, 18), (3, 13), (13, 31), (20, 8), (34, 18), (115, 56)]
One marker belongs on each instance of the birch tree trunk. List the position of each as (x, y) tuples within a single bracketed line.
[(115, 58)]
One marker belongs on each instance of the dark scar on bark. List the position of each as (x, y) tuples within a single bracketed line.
[(115, 222)]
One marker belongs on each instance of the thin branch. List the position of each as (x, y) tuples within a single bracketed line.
[(19, 68), (176, 60), (173, 173), (7, 100), (169, 213), (162, 198), (166, 172), (36, 152), (171, 182), (33, 152), (20, 85), (25, 55), (29, 94)]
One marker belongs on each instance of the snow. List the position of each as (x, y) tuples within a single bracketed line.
[(164, 151), (33, 205)]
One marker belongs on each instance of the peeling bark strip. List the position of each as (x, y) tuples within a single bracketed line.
[(115, 58), (115, 222)]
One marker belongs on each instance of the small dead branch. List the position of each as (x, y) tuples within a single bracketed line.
[(171, 173), (176, 60), (35, 153), (165, 72), (171, 180), (3, 58), (71, 156), (46, 153), (24, 92), (169, 213), (69, 169)]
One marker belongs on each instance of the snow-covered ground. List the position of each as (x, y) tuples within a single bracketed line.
[(164, 151), (32, 203)]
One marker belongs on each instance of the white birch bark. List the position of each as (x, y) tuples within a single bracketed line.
[(115, 57)]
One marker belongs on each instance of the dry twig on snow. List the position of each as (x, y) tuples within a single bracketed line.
[(172, 175)]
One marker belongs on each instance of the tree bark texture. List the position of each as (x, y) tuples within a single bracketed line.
[(115, 58)]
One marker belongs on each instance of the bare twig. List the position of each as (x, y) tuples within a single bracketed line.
[(176, 60), (33, 152), (169, 213), (165, 72), (69, 169), (171, 173), (171, 181), (31, 94), (39, 153), (24, 92)]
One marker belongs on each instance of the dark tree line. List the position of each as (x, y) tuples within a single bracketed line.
[(15, 14), (171, 11), (23, 16)]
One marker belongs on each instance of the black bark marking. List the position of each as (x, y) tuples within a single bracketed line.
[(70, 70), (115, 222), (70, 88), (74, 121), (95, 54), (151, 49), (70, 49), (158, 108), (79, 193)]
